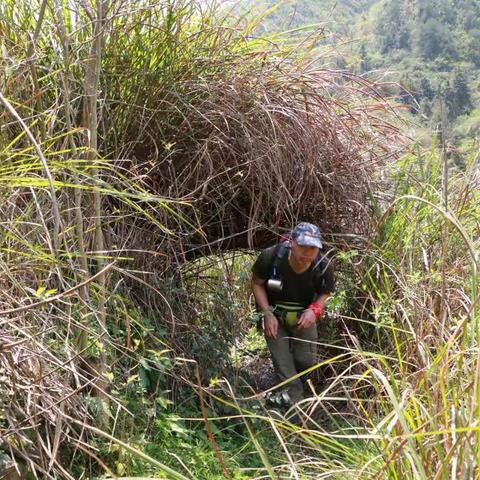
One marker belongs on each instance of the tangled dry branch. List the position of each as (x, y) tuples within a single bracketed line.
[(258, 148)]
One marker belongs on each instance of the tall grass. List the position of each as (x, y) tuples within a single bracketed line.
[(52, 335), (402, 401), (201, 109), (205, 134), (426, 281)]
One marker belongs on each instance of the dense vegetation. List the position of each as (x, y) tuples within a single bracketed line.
[(147, 148)]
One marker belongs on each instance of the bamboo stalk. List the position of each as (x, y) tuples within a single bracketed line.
[(82, 337), (91, 85), (31, 64)]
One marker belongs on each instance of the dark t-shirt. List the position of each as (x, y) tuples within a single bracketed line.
[(299, 289)]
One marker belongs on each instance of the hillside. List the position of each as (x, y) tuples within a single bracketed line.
[(431, 48)]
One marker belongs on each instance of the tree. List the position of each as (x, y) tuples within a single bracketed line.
[(364, 59), (391, 28), (459, 100)]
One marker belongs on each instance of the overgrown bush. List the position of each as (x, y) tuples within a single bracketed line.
[(206, 138)]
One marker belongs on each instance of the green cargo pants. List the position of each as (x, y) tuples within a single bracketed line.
[(293, 351)]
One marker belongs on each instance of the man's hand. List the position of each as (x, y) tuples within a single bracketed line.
[(270, 324), (307, 319)]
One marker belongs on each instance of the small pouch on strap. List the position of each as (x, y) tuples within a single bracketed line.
[(291, 318), (288, 317)]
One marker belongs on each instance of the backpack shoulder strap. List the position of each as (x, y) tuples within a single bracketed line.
[(321, 263), (281, 250)]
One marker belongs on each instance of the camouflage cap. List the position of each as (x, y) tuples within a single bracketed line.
[(307, 235)]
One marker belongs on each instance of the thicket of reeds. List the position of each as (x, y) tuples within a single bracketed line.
[(138, 135), (401, 395)]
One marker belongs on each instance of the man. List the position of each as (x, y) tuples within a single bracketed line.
[(291, 283)]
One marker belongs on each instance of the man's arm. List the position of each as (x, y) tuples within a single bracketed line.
[(260, 294), (322, 299), (311, 315), (325, 285)]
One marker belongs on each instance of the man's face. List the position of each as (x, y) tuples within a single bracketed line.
[(304, 255)]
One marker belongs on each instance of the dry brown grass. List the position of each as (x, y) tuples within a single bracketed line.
[(262, 146), (244, 144)]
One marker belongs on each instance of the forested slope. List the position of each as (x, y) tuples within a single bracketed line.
[(430, 47)]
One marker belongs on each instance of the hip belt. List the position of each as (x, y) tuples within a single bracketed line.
[(287, 316)]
